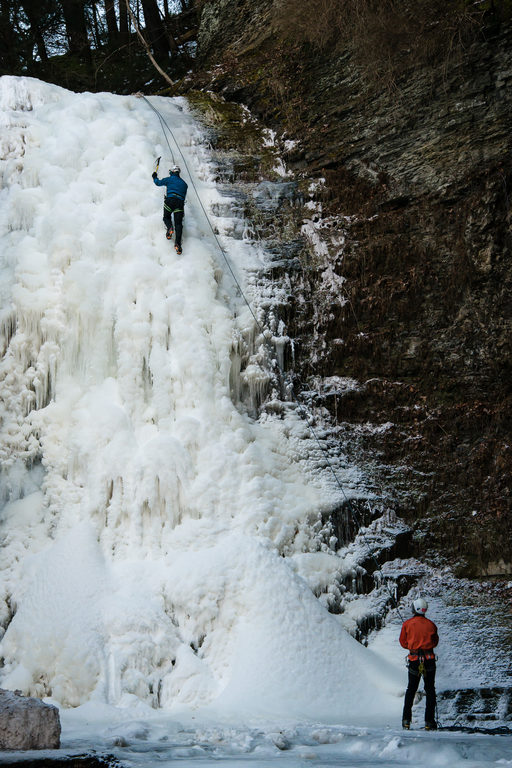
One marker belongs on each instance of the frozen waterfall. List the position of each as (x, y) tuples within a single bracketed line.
[(151, 528)]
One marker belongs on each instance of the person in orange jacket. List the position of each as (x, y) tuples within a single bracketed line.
[(419, 636)]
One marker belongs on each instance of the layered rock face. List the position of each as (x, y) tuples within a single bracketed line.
[(416, 219), (27, 723)]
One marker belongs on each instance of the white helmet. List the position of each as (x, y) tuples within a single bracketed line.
[(420, 606), (175, 169)]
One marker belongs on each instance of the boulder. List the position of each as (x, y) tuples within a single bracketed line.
[(27, 723)]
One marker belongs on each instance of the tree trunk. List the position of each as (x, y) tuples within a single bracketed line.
[(96, 32), (124, 31), (33, 14), (110, 13), (41, 47), (146, 46), (155, 30), (9, 59), (76, 29)]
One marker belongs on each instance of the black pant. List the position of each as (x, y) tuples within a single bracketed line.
[(429, 678), (173, 205)]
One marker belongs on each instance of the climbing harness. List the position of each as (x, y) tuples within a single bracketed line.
[(173, 210), (421, 658), (300, 407)]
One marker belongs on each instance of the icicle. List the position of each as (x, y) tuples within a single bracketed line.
[(7, 330), (280, 345)]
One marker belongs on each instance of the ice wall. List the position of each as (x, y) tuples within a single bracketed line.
[(148, 522)]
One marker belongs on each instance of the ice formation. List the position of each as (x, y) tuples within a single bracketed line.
[(151, 527)]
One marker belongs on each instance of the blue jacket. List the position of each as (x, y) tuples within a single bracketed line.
[(176, 187)]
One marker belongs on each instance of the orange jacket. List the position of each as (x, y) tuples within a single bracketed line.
[(418, 633)]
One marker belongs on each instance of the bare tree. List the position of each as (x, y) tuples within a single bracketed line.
[(95, 27), (146, 45), (8, 49), (110, 15), (76, 28), (124, 30), (34, 13), (155, 29)]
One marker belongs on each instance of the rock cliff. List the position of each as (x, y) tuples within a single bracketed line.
[(409, 295)]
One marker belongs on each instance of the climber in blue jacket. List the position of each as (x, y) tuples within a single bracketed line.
[(174, 203)]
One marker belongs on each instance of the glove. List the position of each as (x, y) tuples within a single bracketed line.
[(153, 175)]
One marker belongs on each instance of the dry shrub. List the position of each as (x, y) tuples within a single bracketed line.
[(385, 37)]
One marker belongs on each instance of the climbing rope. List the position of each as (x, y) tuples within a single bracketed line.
[(165, 125), (162, 122), (300, 407)]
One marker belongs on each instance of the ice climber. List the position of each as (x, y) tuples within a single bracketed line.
[(419, 636), (174, 203)]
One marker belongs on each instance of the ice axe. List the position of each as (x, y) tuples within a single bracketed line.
[(158, 163)]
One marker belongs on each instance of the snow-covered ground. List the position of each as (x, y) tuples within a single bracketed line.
[(159, 544), (163, 741)]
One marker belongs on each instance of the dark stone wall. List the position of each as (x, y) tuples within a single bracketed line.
[(418, 184)]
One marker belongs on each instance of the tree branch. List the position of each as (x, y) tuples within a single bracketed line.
[(147, 48)]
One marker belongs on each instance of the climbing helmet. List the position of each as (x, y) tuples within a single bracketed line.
[(420, 606)]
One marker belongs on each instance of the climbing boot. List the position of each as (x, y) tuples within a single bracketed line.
[(178, 249), (406, 724), (431, 726), (169, 233)]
